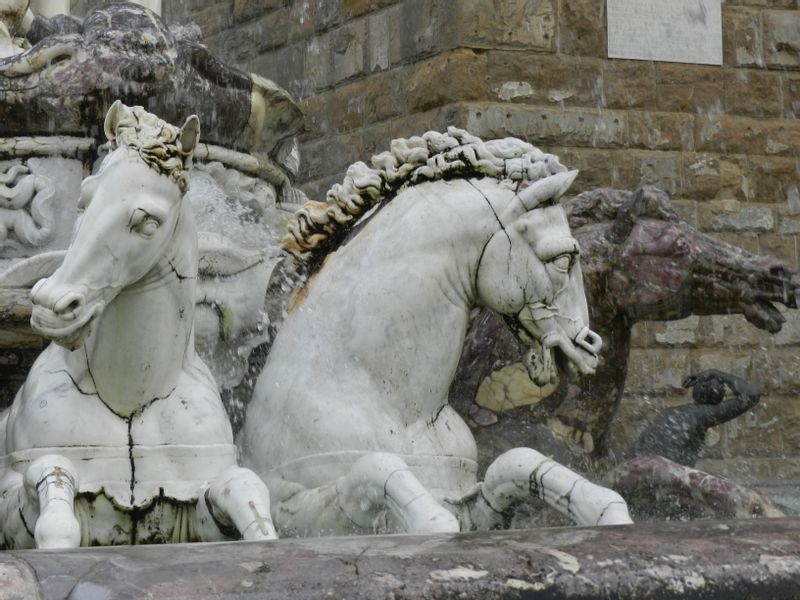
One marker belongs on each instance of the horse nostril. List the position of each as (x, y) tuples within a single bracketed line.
[(69, 304)]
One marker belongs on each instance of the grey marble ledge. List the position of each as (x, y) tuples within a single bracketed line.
[(757, 559)]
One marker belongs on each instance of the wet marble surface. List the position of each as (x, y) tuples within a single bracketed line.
[(708, 560)]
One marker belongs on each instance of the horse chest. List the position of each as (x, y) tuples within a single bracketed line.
[(56, 408), (138, 368)]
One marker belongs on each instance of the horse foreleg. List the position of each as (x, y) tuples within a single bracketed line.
[(380, 493), (235, 505), (521, 473), (53, 480)]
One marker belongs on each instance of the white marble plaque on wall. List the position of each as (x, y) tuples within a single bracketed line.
[(685, 31)]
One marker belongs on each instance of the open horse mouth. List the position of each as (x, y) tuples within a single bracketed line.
[(68, 333), (555, 352)]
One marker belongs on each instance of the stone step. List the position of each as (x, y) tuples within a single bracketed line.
[(707, 560)]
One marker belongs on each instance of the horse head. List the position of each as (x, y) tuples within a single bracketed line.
[(649, 264), (131, 210), (530, 273)]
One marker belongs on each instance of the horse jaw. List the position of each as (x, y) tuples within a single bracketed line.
[(71, 334), (555, 351)]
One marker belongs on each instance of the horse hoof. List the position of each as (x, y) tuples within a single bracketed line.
[(57, 528), (615, 513), (441, 522), (259, 530)]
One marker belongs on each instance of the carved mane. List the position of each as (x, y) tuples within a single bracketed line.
[(319, 227), (159, 144)]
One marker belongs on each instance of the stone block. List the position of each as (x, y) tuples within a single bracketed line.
[(661, 131), (783, 138), (681, 333), (747, 240), (384, 97), (378, 27), (376, 138), (533, 78), (734, 181), (347, 50), (629, 84), (353, 105), (686, 209), (741, 37), (598, 168), (659, 169), (213, 18), (331, 155), (550, 127), (299, 22), (337, 111), (750, 218), (529, 24), (733, 331), (643, 333), (421, 28), (356, 8), (736, 362), (318, 68), (782, 39), (772, 178), (423, 84), (244, 10), (789, 335), (756, 433), (657, 371), (791, 424), (688, 88), (788, 226), (701, 175), (742, 135), (782, 247), (438, 119), (286, 67), (753, 93), (318, 188), (790, 92), (327, 13), (777, 372), (582, 28)]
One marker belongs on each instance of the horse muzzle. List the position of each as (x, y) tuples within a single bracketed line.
[(554, 333), (65, 318)]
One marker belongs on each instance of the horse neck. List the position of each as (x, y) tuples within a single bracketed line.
[(138, 348), (437, 228), (418, 256)]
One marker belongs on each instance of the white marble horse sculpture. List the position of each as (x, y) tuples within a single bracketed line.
[(349, 423), (118, 434)]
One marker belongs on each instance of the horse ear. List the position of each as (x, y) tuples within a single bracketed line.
[(112, 119), (541, 190), (190, 134)]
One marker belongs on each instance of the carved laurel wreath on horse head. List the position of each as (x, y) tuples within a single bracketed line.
[(318, 227)]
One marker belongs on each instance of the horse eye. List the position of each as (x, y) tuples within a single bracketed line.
[(147, 227), (562, 262), (144, 224)]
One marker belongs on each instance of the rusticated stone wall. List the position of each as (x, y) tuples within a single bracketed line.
[(723, 141)]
